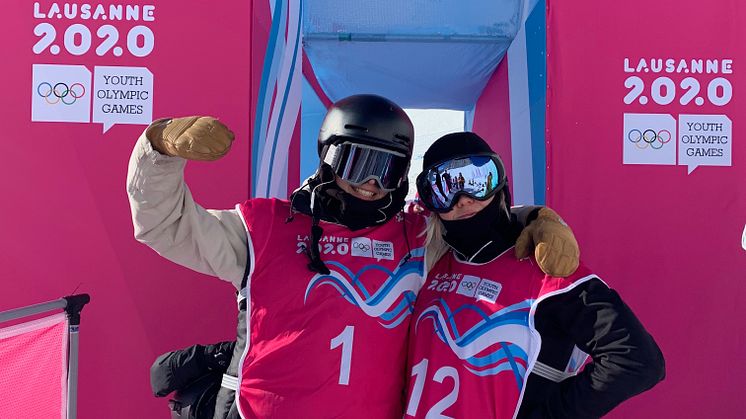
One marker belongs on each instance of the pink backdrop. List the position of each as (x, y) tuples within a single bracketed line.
[(65, 218), (667, 240)]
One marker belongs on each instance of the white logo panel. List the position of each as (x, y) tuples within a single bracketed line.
[(705, 140), (362, 246), (649, 139), (468, 285), (488, 290), (383, 250), (61, 93)]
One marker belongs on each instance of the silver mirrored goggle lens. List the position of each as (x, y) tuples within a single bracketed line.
[(476, 176)]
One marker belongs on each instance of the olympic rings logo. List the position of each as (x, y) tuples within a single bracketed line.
[(362, 246), (60, 92), (649, 138), (469, 285)]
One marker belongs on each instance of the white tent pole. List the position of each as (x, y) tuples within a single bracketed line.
[(31, 310), (72, 374), (75, 304)]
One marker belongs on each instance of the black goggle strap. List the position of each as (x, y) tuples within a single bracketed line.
[(315, 263), (478, 177)]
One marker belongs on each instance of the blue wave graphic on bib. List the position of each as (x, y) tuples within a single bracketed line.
[(392, 302), (502, 338)]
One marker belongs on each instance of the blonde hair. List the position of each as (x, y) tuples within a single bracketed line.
[(435, 245)]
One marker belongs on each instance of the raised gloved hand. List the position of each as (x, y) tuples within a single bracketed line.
[(556, 249), (192, 137)]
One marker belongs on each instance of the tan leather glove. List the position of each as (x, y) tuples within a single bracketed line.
[(192, 137), (556, 251)]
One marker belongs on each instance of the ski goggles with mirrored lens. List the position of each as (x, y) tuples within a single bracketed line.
[(359, 163), (476, 176)]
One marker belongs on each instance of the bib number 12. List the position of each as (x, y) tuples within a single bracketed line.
[(419, 372)]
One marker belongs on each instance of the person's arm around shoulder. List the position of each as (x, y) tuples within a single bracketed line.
[(548, 238), (164, 214)]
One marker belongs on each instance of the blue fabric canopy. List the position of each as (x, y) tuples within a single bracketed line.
[(419, 53)]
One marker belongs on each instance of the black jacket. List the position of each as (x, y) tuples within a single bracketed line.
[(626, 359), (591, 316)]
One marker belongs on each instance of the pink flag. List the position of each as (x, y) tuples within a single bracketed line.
[(33, 369)]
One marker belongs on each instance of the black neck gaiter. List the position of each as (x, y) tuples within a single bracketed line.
[(354, 213), (484, 236), (339, 207)]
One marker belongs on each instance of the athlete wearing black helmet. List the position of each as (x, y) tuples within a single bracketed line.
[(366, 137), (325, 315), (512, 338), (365, 146)]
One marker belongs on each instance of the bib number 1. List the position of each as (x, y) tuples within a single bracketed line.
[(344, 339)]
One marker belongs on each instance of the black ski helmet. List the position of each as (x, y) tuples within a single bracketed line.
[(461, 144), (367, 119)]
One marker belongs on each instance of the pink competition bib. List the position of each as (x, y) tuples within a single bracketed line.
[(322, 346), (472, 340)]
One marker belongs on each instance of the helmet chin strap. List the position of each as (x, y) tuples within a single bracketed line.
[(315, 263), (391, 201), (295, 194), (314, 192)]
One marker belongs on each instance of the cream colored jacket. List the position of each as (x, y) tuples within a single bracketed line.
[(167, 219)]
